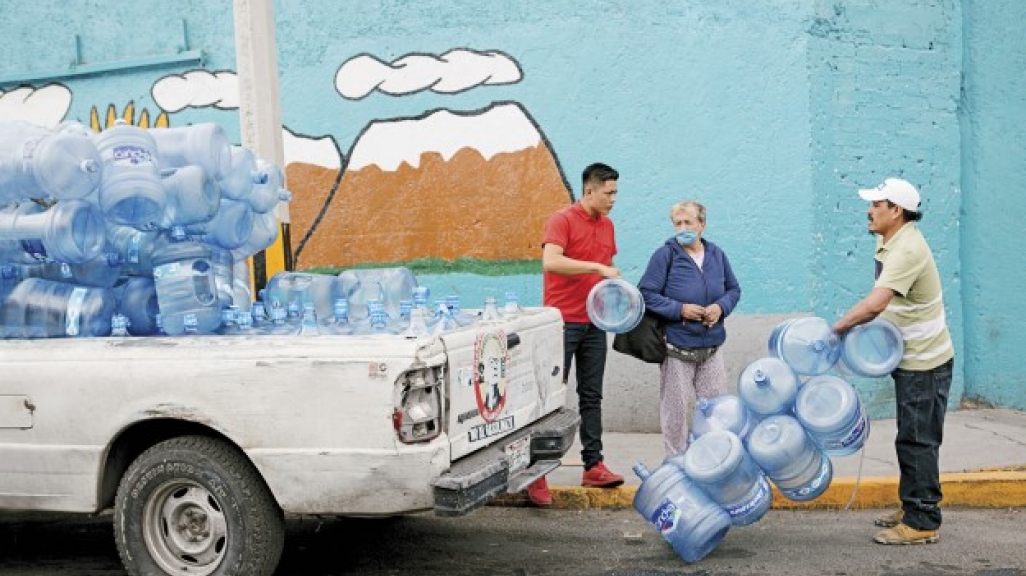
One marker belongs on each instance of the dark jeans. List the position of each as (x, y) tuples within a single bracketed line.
[(587, 345), (922, 399)]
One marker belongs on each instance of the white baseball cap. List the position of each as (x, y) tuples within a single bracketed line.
[(896, 190)]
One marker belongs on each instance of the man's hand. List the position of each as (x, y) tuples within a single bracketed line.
[(692, 312), (609, 272), (712, 315)]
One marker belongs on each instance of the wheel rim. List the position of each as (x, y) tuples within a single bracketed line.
[(185, 529)]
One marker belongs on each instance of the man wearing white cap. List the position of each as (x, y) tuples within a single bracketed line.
[(907, 292)]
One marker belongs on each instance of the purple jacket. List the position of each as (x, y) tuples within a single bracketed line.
[(672, 279)]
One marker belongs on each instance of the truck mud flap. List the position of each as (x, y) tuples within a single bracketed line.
[(480, 477)]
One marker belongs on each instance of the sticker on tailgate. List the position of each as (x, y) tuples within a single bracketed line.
[(491, 357)]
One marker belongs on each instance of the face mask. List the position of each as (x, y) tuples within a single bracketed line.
[(685, 237)]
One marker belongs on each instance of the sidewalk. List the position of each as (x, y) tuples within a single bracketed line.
[(983, 464)]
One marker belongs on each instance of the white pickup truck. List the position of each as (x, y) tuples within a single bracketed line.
[(202, 444)]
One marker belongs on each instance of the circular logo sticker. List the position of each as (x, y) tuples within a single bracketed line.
[(490, 358)]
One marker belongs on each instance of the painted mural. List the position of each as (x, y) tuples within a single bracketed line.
[(446, 184)]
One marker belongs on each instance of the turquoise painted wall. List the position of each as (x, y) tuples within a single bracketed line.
[(772, 113), (994, 202)]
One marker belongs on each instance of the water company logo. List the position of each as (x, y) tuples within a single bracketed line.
[(491, 358)]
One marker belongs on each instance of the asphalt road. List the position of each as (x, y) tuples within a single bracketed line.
[(524, 541)]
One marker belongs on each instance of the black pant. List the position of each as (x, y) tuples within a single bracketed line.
[(587, 344), (922, 399)]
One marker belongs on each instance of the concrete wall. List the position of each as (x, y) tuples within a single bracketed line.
[(771, 113)]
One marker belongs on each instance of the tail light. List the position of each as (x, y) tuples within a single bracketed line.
[(418, 413)]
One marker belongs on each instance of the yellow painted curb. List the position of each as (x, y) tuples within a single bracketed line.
[(997, 489)]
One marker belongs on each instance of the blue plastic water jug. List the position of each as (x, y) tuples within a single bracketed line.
[(136, 299), (9, 278), (135, 247), (131, 193), (224, 276), (238, 183), (831, 412), (393, 285), (808, 345), (192, 197), (102, 271), (37, 163), (723, 412), (301, 287), (264, 233), (204, 145), (38, 308), (266, 195), (873, 349), (615, 305), (719, 463), (242, 293), (768, 386), (69, 231), (186, 290), (685, 515), (511, 308), (459, 315), (786, 453), (229, 228), (338, 323), (490, 312)]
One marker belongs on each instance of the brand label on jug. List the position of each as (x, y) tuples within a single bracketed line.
[(666, 517), (131, 156)]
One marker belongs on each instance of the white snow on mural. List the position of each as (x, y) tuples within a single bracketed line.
[(388, 144), (320, 151)]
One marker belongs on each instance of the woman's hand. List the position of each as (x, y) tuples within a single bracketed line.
[(692, 312), (712, 315)]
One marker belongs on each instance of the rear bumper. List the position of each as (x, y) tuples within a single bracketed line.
[(484, 475)]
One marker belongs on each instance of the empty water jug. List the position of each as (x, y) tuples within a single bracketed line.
[(808, 345), (719, 463), (242, 293), (204, 145), (192, 197), (396, 284), (461, 317), (136, 299), (768, 386), (9, 278), (831, 412), (615, 305), (131, 193), (723, 412), (186, 290), (238, 183), (37, 163), (265, 195), (102, 271), (338, 323), (38, 308), (135, 247), (680, 511), (301, 287), (224, 276), (70, 231), (263, 234), (229, 228), (873, 349), (786, 453)]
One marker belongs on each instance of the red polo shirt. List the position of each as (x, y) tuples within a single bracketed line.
[(582, 238)]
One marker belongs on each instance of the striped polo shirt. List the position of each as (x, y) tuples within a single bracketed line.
[(905, 265)]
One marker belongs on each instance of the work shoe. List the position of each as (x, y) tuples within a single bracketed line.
[(890, 519), (598, 476), (538, 492), (905, 534)]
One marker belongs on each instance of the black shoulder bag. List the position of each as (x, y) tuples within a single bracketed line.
[(647, 341)]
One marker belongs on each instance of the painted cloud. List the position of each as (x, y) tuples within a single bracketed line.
[(197, 89), (45, 106), (455, 71)]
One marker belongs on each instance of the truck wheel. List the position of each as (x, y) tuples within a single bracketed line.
[(195, 505)]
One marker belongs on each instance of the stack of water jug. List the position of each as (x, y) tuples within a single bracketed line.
[(108, 232), (789, 417)]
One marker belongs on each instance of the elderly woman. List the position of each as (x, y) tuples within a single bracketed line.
[(690, 285)]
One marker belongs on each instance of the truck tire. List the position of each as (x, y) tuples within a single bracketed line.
[(195, 505)]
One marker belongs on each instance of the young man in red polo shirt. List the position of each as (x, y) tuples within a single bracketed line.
[(577, 253)]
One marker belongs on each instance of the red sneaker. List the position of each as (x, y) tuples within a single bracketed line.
[(539, 493), (600, 477)]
